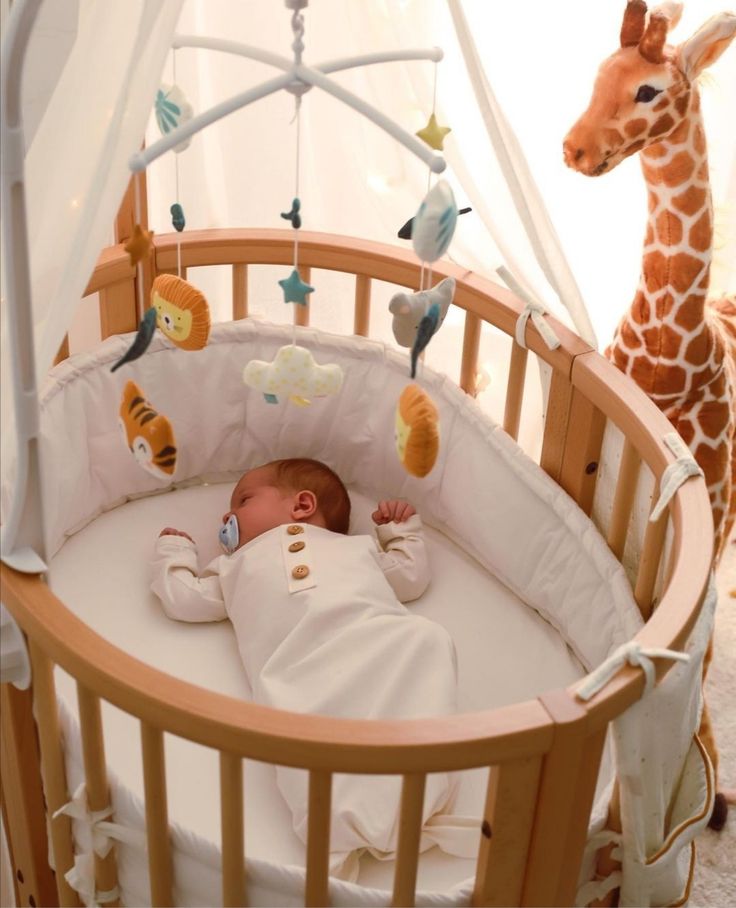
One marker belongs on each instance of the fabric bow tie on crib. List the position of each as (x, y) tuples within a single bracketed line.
[(100, 832)]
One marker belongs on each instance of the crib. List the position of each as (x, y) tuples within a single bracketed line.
[(543, 754)]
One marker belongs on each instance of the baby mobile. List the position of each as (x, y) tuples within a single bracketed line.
[(178, 309), (294, 373)]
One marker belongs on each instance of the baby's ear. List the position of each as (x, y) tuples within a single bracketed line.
[(304, 505)]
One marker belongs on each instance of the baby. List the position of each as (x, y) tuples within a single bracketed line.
[(320, 625)]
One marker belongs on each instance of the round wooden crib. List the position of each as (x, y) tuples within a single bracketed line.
[(544, 754)]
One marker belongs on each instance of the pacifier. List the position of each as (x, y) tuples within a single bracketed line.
[(229, 534)]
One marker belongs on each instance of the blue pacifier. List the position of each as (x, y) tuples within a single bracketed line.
[(229, 534)]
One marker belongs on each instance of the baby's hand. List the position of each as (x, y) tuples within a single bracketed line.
[(170, 531), (395, 510)]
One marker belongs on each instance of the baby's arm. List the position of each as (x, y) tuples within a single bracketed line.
[(184, 594), (402, 555)]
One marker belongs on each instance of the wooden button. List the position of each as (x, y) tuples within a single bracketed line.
[(296, 546), (300, 572), (294, 530)]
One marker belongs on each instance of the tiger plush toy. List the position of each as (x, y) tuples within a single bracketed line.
[(147, 433)]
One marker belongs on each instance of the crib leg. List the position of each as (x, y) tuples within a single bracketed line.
[(23, 810)]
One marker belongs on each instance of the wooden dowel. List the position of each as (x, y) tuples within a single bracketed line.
[(511, 798), (556, 424), (515, 390), (157, 821), (361, 322), (318, 839), (98, 791), (301, 313), (583, 443), (52, 766), (471, 343), (233, 839), (651, 554), (118, 313), (623, 500), (410, 832), (240, 291)]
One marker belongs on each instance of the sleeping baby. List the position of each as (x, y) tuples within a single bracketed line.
[(321, 628)]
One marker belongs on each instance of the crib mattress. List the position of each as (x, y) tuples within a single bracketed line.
[(506, 653)]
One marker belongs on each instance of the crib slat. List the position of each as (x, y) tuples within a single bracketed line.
[(471, 343), (511, 798), (582, 451), (98, 791), (361, 323), (318, 839), (556, 424), (240, 291), (651, 554), (623, 500), (52, 763), (157, 822), (515, 390), (63, 352), (566, 791), (233, 844), (118, 313), (301, 313), (410, 830)]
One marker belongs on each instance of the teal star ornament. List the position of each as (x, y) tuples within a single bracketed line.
[(295, 290)]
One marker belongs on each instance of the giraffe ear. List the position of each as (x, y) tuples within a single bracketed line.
[(707, 44)]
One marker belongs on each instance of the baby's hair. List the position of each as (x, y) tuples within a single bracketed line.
[(333, 501)]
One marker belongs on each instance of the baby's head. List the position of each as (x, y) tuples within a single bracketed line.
[(297, 490)]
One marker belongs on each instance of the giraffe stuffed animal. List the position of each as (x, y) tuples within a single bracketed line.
[(679, 348)]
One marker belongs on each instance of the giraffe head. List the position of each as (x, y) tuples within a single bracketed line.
[(644, 91)]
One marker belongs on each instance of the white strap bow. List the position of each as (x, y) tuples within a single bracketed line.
[(533, 309), (631, 653), (676, 473)]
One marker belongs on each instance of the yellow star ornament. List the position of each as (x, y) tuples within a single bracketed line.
[(433, 134)]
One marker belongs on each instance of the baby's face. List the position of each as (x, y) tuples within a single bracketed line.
[(258, 506)]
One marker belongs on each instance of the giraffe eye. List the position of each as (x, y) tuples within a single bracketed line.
[(647, 92)]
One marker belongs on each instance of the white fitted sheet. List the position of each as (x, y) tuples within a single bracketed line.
[(507, 653)]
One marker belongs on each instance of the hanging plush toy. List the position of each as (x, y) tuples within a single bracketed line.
[(182, 312), (172, 109), (147, 433), (417, 431), (408, 309), (434, 223), (293, 374), (142, 339)]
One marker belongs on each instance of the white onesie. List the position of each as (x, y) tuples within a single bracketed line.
[(320, 630)]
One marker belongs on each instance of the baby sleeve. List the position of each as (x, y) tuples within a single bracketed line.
[(403, 557), (184, 594)]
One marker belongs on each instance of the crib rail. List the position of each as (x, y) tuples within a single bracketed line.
[(543, 755)]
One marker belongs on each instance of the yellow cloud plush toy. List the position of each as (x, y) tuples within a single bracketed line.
[(293, 374)]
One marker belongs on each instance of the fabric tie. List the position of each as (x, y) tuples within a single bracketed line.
[(533, 309), (631, 653), (596, 889), (676, 473), (81, 877)]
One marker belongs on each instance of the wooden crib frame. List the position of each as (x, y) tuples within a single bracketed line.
[(544, 754)]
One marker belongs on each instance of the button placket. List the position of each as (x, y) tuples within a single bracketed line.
[(297, 560)]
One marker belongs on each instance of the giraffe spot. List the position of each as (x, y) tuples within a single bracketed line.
[(669, 229), (703, 379), (696, 102), (658, 150), (717, 517), (670, 378), (679, 169), (691, 311), (620, 359), (662, 341), (649, 236), (698, 350), (690, 201), (679, 135), (684, 270), (654, 268), (613, 138), (699, 139), (664, 305), (630, 337), (660, 105), (652, 174), (635, 127), (663, 125), (702, 173), (686, 430), (705, 280), (653, 201), (635, 146), (642, 371), (713, 461), (700, 233), (640, 311)]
